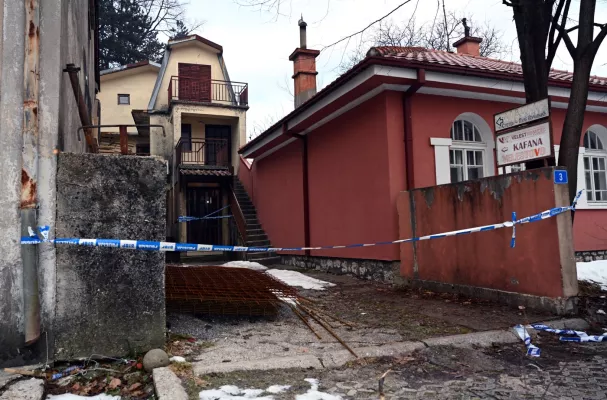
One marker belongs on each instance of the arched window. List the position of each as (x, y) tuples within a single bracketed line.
[(467, 153), (595, 160)]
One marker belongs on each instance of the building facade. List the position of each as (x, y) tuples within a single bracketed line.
[(403, 118), (189, 112)]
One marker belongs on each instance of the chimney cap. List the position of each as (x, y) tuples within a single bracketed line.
[(467, 39), (302, 23)]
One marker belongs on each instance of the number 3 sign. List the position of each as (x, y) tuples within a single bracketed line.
[(560, 176)]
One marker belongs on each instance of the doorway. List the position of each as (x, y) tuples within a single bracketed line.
[(219, 143), (202, 201)]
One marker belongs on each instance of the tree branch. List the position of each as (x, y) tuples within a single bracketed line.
[(596, 43), (568, 42), (366, 27)]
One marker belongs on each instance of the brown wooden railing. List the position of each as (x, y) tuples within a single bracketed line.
[(212, 152), (238, 215), (208, 91)]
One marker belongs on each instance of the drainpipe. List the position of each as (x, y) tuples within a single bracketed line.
[(29, 171), (421, 80), (305, 186)]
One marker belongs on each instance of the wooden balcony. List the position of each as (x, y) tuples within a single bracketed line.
[(195, 90), (203, 152)]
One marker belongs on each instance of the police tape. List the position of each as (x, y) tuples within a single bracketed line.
[(170, 246), (208, 216), (574, 336), (532, 350)]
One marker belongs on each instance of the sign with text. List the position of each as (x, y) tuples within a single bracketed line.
[(522, 115), (524, 144)]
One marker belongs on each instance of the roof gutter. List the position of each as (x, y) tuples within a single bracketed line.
[(408, 137)]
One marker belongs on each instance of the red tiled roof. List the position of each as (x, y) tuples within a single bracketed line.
[(205, 172), (425, 56)]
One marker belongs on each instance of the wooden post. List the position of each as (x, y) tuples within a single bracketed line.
[(124, 140)]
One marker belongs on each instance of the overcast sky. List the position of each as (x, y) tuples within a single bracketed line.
[(257, 44)]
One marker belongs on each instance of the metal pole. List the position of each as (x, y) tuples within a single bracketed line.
[(29, 171)]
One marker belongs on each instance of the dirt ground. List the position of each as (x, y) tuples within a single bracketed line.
[(415, 314)]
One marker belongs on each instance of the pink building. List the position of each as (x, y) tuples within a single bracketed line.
[(329, 172)]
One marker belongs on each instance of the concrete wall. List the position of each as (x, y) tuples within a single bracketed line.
[(64, 37), (109, 301), (138, 83), (541, 265)]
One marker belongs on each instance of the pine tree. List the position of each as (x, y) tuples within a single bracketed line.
[(124, 34)]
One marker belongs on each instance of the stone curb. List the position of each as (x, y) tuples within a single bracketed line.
[(168, 385), (338, 358), (305, 361)]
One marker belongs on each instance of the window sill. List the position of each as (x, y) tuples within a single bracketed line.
[(594, 205)]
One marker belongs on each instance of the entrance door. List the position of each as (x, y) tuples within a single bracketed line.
[(194, 82), (201, 202), (217, 149)]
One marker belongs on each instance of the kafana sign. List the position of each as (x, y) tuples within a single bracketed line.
[(522, 115), (524, 144)]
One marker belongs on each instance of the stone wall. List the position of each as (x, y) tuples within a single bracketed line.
[(377, 270), (109, 301)]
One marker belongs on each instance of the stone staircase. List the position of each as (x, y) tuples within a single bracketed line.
[(256, 237)]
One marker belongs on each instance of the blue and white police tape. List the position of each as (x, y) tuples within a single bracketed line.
[(208, 216), (170, 246), (575, 336), (532, 350)]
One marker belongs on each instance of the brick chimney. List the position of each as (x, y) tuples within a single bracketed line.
[(304, 68), (469, 45)]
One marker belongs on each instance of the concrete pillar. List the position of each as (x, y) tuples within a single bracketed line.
[(11, 126)]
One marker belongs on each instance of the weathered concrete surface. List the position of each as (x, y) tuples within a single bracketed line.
[(11, 124), (305, 361), (168, 385), (109, 301), (30, 389)]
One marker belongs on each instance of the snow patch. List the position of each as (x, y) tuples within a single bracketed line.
[(75, 397), (177, 359), (275, 389), (245, 264), (294, 278), (594, 271), (231, 392), (314, 394)]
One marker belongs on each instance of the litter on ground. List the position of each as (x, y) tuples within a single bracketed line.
[(594, 272), (294, 278), (246, 264), (177, 359)]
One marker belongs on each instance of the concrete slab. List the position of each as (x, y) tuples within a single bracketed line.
[(168, 385), (30, 389), (305, 361), (480, 339), (5, 379), (335, 359)]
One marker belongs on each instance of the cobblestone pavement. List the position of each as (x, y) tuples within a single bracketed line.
[(565, 371)]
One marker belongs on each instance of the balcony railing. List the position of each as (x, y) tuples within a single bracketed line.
[(205, 91), (208, 152)]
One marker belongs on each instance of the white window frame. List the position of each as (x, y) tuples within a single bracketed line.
[(468, 146), (591, 191), (465, 147)]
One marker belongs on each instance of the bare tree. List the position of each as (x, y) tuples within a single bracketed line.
[(541, 27), (168, 17), (433, 36)]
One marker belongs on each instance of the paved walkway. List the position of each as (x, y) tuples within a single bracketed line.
[(565, 371)]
